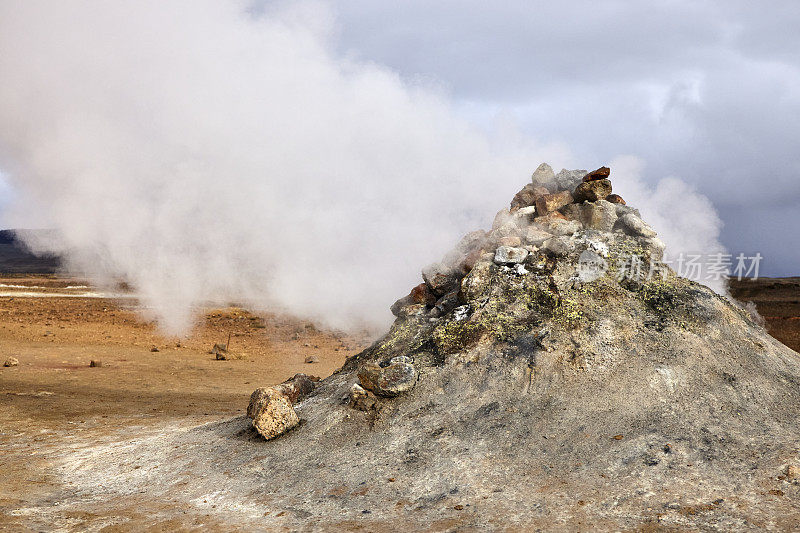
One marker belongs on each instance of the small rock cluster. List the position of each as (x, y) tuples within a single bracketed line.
[(272, 408), (544, 217)]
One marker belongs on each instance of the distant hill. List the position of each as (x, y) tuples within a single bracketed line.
[(15, 258)]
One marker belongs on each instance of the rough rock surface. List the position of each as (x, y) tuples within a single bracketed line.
[(11, 361), (552, 202), (396, 378), (509, 254), (272, 413), (591, 191), (543, 176)]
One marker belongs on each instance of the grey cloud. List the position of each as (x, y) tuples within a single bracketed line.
[(706, 91)]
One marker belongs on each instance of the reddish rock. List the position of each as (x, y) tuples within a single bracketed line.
[(616, 199), (552, 202), (469, 261), (599, 174), (421, 294), (555, 215), (527, 196), (591, 191), (440, 278)]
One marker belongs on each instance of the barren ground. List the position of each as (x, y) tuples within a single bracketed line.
[(54, 400), (54, 404)]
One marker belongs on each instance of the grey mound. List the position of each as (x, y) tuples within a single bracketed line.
[(543, 400)]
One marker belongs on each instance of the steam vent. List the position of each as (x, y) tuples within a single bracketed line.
[(535, 379)]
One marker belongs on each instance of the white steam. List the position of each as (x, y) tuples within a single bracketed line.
[(208, 154)]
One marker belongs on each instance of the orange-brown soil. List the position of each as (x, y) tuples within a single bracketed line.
[(778, 302), (54, 392)]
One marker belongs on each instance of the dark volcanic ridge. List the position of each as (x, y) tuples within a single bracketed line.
[(17, 258), (529, 382)]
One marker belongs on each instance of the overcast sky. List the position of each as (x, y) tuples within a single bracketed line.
[(705, 91)]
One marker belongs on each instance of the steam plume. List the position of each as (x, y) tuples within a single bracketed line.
[(209, 154)]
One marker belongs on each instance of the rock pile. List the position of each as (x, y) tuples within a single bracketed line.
[(548, 216)]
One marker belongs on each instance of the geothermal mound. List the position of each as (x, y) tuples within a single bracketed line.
[(549, 373)]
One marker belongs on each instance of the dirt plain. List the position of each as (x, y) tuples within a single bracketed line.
[(53, 401), (145, 379)]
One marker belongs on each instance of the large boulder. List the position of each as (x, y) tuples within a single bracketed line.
[(272, 413), (543, 176), (600, 215), (559, 226), (567, 180), (634, 226), (536, 235), (527, 196), (553, 202), (591, 191), (510, 255), (440, 278), (396, 378)]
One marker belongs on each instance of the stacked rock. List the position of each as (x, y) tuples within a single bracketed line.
[(544, 216)]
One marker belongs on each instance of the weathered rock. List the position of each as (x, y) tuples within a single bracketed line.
[(272, 412), (501, 218), (553, 202), (591, 191), (615, 199), (398, 308), (510, 255), (559, 246), (478, 281), (550, 216), (470, 242), (95, 363), (527, 196), (544, 176), (634, 226), (11, 361), (599, 174), (220, 352), (421, 294), (446, 303), (792, 472), (655, 247), (469, 261), (392, 380), (311, 359), (567, 180), (536, 236), (440, 278), (510, 240), (600, 215), (524, 216), (361, 399), (623, 210), (556, 226), (296, 388), (510, 229)]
